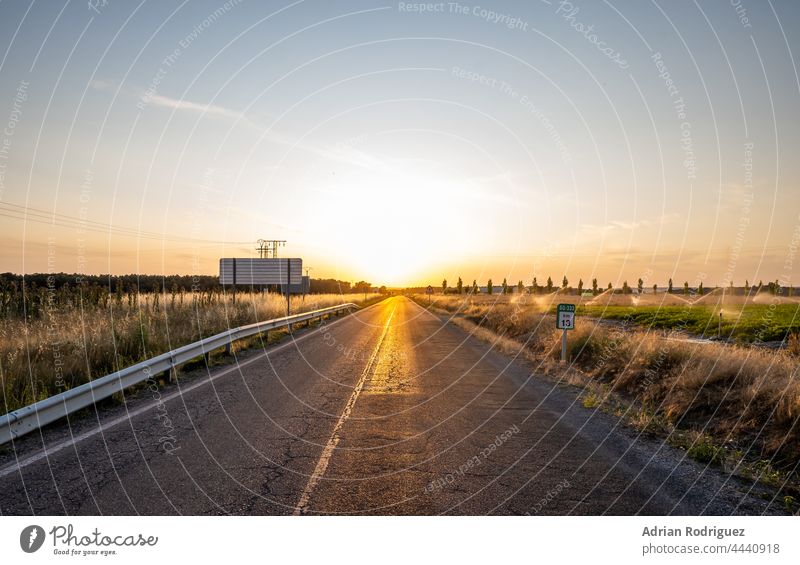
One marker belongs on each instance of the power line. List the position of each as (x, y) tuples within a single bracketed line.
[(36, 215)]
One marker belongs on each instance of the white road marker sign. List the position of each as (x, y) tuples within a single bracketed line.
[(565, 320)]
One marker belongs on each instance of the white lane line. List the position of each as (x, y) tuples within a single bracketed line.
[(48, 451), (324, 459)]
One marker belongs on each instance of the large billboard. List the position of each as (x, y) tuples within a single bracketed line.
[(248, 272)]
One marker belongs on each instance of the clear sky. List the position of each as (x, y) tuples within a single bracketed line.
[(403, 143)]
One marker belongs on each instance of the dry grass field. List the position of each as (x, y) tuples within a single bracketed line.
[(723, 403), (745, 319), (66, 346)]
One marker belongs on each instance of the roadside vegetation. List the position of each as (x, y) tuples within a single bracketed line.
[(742, 323), (734, 406), (55, 338), (765, 314)]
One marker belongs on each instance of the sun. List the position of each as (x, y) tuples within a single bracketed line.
[(394, 227)]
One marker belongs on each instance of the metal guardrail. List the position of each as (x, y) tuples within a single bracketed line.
[(32, 417)]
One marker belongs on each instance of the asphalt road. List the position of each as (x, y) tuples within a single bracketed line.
[(389, 411)]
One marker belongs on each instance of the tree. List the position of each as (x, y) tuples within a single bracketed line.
[(564, 283), (580, 286), (330, 286), (594, 286), (535, 287), (700, 288), (609, 286), (746, 286), (444, 286), (640, 285), (686, 287), (505, 286), (474, 286), (489, 287), (669, 286), (520, 287), (362, 286), (460, 285), (655, 289), (777, 287), (549, 285), (625, 288)]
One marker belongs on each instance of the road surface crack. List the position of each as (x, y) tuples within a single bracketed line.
[(322, 465)]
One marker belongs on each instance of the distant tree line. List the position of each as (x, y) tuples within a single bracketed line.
[(549, 287), (31, 295)]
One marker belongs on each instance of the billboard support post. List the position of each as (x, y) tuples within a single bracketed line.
[(289, 288), (234, 282)]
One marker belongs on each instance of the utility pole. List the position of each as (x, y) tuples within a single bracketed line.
[(268, 248)]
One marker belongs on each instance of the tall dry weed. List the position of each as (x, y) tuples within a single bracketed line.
[(69, 346)]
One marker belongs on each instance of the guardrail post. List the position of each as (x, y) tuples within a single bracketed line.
[(207, 357), (229, 348)]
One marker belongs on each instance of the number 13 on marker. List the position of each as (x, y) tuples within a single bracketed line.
[(565, 319)]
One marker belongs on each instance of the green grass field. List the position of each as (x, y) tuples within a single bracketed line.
[(744, 323)]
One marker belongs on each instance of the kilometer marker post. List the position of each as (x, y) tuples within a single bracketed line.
[(565, 320)]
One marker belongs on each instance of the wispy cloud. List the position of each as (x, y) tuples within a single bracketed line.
[(150, 97), (187, 106), (341, 153), (618, 226)]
